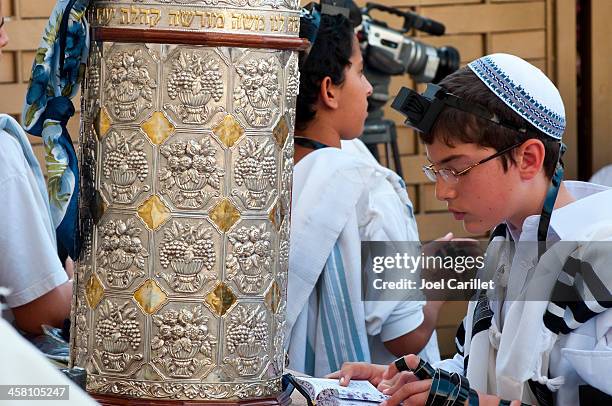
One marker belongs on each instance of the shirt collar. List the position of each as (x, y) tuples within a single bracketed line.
[(590, 207)]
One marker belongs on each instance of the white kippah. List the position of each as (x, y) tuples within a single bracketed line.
[(525, 89)]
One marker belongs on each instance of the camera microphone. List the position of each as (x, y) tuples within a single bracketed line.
[(424, 24)]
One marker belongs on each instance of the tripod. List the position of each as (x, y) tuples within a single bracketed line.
[(379, 130)]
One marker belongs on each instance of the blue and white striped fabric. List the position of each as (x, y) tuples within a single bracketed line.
[(325, 315), (336, 320), (56, 73)]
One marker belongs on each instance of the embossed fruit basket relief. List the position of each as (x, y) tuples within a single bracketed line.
[(188, 254), (129, 85), (195, 80), (183, 343), (186, 166)]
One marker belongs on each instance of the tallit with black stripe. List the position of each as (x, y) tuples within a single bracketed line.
[(580, 271)]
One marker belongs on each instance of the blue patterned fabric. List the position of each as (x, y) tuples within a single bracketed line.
[(56, 74), (519, 99)]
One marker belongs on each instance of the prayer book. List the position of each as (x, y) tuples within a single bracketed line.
[(329, 392)]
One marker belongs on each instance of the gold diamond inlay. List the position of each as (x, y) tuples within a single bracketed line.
[(224, 214), (102, 124), (94, 291), (281, 132), (154, 212), (220, 299), (229, 130), (275, 216), (158, 127), (150, 297), (273, 297)]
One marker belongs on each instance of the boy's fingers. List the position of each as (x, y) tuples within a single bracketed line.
[(404, 378), (414, 393), (350, 370), (333, 375), (411, 360), (343, 375), (358, 370), (419, 399), (390, 372), (448, 237)]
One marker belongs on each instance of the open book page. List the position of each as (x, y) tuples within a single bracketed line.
[(326, 389)]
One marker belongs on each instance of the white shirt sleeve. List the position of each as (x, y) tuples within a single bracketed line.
[(29, 265), (454, 364), (393, 319), (383, 217)]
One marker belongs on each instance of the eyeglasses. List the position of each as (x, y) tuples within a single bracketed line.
[(451, 176), (1, 21)]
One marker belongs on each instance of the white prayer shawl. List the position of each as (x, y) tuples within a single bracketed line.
[(327, 322), (603, 176), (501, 363)]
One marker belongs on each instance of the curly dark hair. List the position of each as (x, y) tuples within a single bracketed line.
[(329, 56), (453, 125)]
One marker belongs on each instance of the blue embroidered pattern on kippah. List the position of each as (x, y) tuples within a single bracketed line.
[(518, 99)]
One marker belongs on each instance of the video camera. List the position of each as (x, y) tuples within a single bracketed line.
[(392, 52)]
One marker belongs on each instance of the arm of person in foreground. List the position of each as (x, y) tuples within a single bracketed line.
[(52, 308), (414, 341)]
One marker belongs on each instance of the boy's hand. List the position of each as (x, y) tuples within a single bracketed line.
[(390, 386), (407, 388), (359, 370), (411, 394), (410, 391)]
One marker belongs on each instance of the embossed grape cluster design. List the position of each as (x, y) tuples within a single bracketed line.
[(116, 331), (186, 242), (125, 154), (257, 165), (293, 82), (117, 327), (195, 80), (193, 74), (247, 331)]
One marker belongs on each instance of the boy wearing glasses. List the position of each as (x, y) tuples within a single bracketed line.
[(493, 132)]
